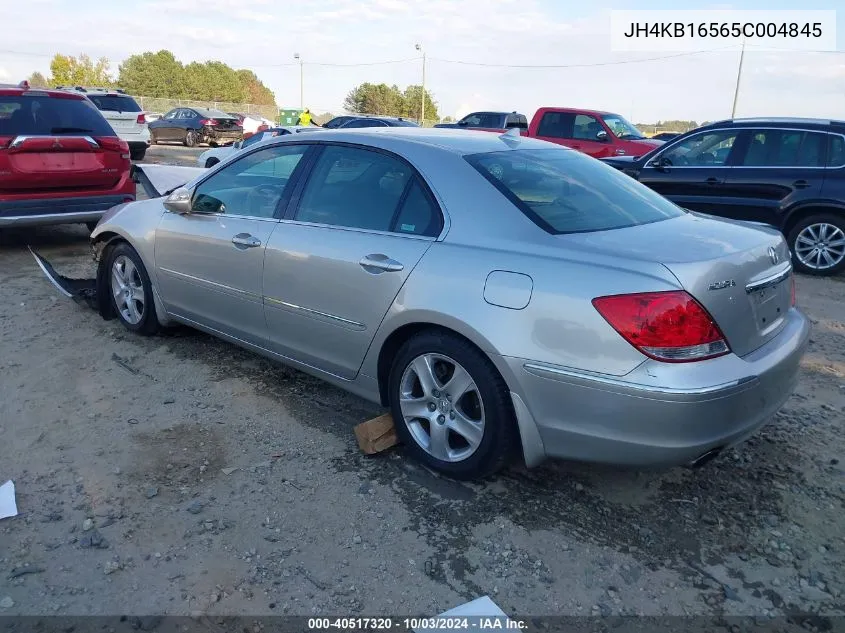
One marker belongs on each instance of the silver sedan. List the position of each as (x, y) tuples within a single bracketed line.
[(499, 294)]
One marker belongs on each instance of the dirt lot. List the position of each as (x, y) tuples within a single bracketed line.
[(179, 475)]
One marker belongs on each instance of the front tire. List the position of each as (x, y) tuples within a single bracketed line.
[(190, 138), (131, 291), (817, 244), (450, 406)]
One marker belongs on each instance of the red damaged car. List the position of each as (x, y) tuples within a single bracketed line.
[(60, 160)]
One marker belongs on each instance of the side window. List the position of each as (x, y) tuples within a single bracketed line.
[(516, 120), (702, 150), (836, 151), (586, 127), (187, 114), (556, 125), (251, 186), (357, 188), (785, 148), (472, 120), (365, 123), (171, 115), (418, 216)]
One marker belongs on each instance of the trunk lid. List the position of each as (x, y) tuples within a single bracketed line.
[(738, 272), (226, 124), (122, 121), (61, 162)]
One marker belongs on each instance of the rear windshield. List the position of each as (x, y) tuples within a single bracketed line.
[(564, 191), (115, 103), (53, 116), (402, 123), (213, 114)]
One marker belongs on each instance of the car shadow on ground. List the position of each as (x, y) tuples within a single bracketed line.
[(12, 239)]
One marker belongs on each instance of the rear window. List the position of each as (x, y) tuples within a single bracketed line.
[(564, 191), (213, 114), (398, 123), (50, 116), (117, 103)]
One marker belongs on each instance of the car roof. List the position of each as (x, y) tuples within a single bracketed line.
[(785, 122), (15, 91), (580, 110), (400, 139)]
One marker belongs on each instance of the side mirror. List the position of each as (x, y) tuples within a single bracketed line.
[(660, 163), (463, 123), (601, 136), (179, 201)]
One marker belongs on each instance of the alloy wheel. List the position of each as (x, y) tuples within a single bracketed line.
[(820, 246), (128, 290), (442, 407)]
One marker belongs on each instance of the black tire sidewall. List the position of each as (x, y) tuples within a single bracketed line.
[(190, 138), (148, 323), (497, 444), (138, 154), (828, 218)]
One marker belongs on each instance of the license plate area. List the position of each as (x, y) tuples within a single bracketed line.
[(770, 305)]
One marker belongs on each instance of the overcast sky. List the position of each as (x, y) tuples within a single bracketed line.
[(263, 35)]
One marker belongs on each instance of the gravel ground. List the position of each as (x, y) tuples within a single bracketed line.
[(180, 475)]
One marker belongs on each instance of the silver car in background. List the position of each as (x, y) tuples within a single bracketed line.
[(500, 294)]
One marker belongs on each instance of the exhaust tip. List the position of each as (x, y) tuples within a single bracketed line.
[(705, 458)]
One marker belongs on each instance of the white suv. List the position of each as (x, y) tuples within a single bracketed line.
[(124, 115)]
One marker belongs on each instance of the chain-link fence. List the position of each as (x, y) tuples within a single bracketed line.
[(287, 116), (161, 106)]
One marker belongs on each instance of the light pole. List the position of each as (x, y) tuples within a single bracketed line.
[(738, 76), (301, 82), (422, 96)]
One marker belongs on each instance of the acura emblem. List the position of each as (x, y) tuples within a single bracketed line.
[(773, 255), (57, 144)]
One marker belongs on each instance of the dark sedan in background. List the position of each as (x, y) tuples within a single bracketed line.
[(787, 173), (351, 121), (193, 126)]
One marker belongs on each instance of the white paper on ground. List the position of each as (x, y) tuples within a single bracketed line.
[(7, 500), (479, 611)]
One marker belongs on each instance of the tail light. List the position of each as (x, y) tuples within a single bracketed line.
[(667, 326), (114, 144), (208, 121), (141, 119)]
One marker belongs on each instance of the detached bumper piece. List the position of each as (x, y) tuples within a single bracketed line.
[(82, 291)]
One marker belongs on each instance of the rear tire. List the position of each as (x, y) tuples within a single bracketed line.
[(131, 291), (483, 408), (817, 244), (190, 138), (211, 162), (138, 154)]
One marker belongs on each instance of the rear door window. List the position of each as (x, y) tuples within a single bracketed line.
[(556, 125), (50, 116), (785, 148), (836, 151), (564, 191)]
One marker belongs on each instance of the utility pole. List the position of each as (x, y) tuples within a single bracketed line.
[(738, 77), (422, 96), (301, 82)]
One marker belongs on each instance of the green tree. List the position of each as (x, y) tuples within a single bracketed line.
[(254, 90), (37, 80), (79, 71), (411, 102), (213, 81), (153, 75), (375, 99), (447, 119)]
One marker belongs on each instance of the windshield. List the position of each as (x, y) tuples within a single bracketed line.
[(621, 127), (50, 116), (115, 103), (563, 191)]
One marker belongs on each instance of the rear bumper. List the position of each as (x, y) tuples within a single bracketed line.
[(222, 135), (136, 139), (661, 413), (58, 210)]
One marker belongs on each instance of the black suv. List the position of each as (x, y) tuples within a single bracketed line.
[(787, 173)]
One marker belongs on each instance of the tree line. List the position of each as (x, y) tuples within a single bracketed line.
[(159, 74), (385, 100)]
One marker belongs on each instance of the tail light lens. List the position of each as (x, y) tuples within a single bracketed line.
[(142, 118), (114, 144), (667, 326), (208, 121)]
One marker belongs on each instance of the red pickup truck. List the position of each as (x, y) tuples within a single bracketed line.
[(599, 134)]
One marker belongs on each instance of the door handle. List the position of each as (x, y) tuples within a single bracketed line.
[(246, 240), (713, 181), (800, 184), (377, 263)]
